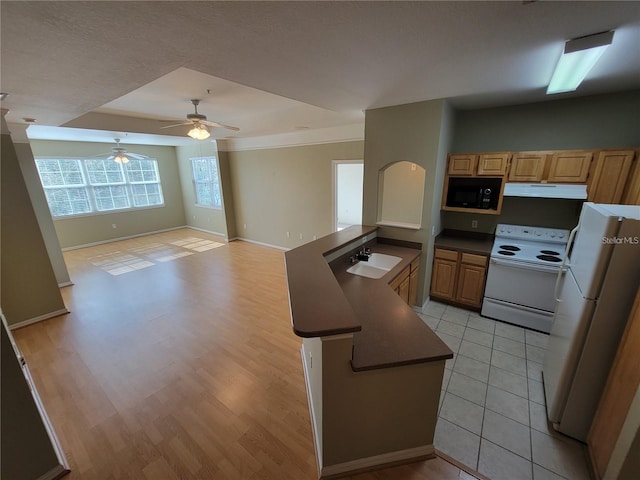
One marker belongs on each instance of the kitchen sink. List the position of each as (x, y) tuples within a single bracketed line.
[(377, 266)]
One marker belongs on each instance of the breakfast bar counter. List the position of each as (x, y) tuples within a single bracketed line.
[(373, 369)]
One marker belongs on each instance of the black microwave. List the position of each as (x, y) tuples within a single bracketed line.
[(468, 193)]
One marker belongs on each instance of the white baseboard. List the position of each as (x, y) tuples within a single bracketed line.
[(316, 440), (219, 234), (401, 456), (278, 247), (102, 242), (37, 319), (56, 472)]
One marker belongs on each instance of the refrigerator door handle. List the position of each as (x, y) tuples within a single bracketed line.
[(565, 265)]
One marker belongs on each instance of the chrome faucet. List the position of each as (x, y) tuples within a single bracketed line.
[(363, 254)]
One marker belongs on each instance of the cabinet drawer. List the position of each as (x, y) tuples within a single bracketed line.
[(402, 276), (472, 259), (446, 254)]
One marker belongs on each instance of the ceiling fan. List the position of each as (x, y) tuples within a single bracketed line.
[(120, 154), (199, 123)]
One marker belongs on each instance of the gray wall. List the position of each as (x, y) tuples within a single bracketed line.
[(29, 289), (598, 121)]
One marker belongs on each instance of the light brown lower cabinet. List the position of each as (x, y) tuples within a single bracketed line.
[(406, 283), (458, 277)]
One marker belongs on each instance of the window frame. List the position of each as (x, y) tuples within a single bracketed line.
[(90, 188), (214, 183)]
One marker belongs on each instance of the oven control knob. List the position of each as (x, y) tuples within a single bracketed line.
[(561, 235), (539, 233), (509, 230), (553, 234)]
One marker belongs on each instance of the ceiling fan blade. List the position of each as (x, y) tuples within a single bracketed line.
[(177, 125), (137, 156), (100, 155), (220, 125)]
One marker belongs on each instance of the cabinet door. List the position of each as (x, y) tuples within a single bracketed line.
[(403, 290), (413, 287), (632, 191), (610, 176), (462, 164), (527, 167), (443, 278), (570, 167), (494, 164), (471, 284)]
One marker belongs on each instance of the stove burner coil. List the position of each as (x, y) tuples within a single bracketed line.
[(505, 252), (549, 258), (549, 252), (510, 248)]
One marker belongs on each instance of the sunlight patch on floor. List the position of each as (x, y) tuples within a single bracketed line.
[(118, 262)]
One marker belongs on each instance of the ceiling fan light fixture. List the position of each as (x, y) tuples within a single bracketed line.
[(121, 158), (578, 58), (199, 132)]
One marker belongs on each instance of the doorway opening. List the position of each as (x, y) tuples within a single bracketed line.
[(348, 176)]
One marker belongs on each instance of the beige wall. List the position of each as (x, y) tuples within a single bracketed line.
[(289, 189), (29, 289), (418, 133), (89, 229), (41, 209), (402, 192), (209, 219)]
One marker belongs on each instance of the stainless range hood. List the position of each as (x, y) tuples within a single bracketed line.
[(546, 190)]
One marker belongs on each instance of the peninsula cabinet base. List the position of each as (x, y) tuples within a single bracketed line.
[(370, 419)]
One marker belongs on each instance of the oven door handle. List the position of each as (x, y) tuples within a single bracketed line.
[(537, 268)]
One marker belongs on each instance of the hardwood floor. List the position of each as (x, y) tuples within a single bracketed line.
[(183, 367)]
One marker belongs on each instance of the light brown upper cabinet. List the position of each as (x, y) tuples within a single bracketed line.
[(631, 194), (527, 166), (483, 164), (493, 164), (570, 166), (610, 176), (462, 164)]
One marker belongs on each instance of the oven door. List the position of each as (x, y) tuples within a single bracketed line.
[(522, 284)]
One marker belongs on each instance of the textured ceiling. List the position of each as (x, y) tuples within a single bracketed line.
[(315, 64)]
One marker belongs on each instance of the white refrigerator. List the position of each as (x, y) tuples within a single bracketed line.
[(595, 292)]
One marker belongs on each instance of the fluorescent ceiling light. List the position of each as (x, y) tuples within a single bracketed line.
[(578, 58)]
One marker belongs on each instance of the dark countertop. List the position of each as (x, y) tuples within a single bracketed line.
[(326, 300), (480, 244)]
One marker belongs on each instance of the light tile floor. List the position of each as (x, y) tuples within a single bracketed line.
[(492, 414)]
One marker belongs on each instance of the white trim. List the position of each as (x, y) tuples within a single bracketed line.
[(37, 319), (316, 439), (389, 223), (65, 284), (278, 247), (400, 456), (117, 239), (56, 472), (317, 136), (219, 234)]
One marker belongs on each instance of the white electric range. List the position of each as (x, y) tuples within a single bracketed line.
[(523, 268)]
